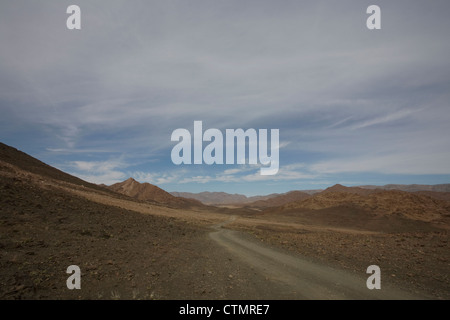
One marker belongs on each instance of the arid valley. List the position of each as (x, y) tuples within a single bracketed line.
[(136, 241)]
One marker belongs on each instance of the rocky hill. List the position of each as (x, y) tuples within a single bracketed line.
[(380, 202), (280, 200), (148, 192)]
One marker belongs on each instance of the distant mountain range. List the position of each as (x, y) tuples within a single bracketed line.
[(280, 200), (412, 187), (223, 198), (439, 191), (417, 202)]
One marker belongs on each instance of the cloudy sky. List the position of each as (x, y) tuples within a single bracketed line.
[(353, 106)]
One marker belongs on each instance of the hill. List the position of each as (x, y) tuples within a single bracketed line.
[(240, 200), (11, 156), (412, 187), (435, 194), (221, 198), (148, 192), (379, 202), (352, 190), (280, 200), (212, 198), (50, 220), (23, 166)]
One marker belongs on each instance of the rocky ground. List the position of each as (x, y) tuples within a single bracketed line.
[(418, 261), (122, 254)]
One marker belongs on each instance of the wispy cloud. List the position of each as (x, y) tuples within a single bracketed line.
[(388, 118), (106, 172), (246, 173), (80, 151), (345, 99), (156, 178), (399, 163)]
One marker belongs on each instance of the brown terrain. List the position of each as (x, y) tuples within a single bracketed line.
[(151, 193), (135, 241), (412, 187), (279, 200), (221, 198), (379, 202)]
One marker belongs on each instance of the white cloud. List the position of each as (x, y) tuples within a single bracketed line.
[(74, 150), (363, 102), (244, 173), (156, 178), (385, 119), (107, 172), (399, 163), (107, 178)]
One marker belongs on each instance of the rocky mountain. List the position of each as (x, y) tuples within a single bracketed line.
[(380, 202), (48, 217), (280, 200), (436, 195), (20, 164), (440, 191), (353, 190), (20, 160), (412, 187), (149, 192)]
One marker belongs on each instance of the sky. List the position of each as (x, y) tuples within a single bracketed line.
[(352, 105)]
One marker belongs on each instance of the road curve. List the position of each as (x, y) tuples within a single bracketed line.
[(303, 279)]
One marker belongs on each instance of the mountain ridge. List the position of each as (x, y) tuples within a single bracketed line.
[(149, 192), (221, 198), (379, 202), (224, 198)]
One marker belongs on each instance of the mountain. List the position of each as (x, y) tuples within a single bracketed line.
[(12, 159), (50, 220), (220, 198), (441, 192), (280, 200), (380, 202), (412, 187), (141, 191), (312, 191), (223, 198), (21, 165), (148, 192), (436, 195), (353, 190), (213, 197)]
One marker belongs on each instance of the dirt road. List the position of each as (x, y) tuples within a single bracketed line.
[(302, 279)]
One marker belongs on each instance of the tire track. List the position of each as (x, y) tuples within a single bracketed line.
[(301, 278)]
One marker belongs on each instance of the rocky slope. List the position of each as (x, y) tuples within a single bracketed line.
[(280, 200), (381, 202), (152, 193)]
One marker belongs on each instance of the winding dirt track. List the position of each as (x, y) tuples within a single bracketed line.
[(301, 278)]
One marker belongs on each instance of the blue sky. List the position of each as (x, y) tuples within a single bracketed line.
[(353, 106)]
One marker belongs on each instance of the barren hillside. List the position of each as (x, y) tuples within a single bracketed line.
[(280, 200), (149, 192), (381, 202)]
